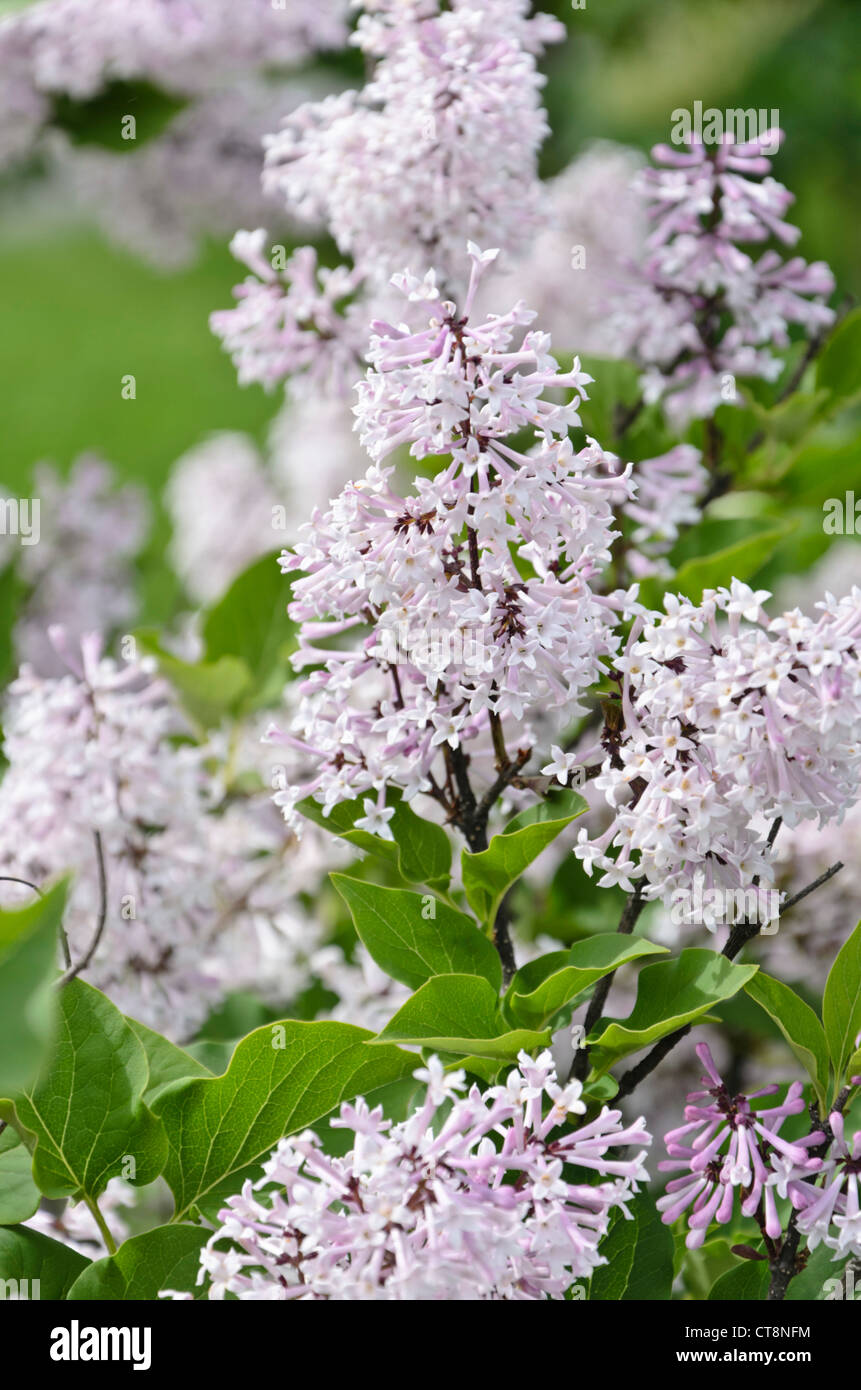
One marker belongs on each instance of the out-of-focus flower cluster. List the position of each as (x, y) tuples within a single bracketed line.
[(729, 1150), (222, 504), (471, 598), (202, 887), (77, 1228), (76, 48), (438, 147), (700, 312), (199, 178), (79, 573), (475, 1196), (728, 720), (665, 502)]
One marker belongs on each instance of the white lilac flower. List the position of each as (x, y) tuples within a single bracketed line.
[(422, 1210), (667, 488), (725, 1149), (592, 230), (428, 618), (701, 312), (728, 720), (292, 320), (199, 178)]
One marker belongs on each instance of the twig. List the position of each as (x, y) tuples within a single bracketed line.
[(741, 933), (82, 964), (64, 940), (630, 916)]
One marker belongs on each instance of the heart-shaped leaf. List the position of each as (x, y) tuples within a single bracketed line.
[(165, 1258), (281, 1078), (460, 1014), (85, 1117), (670, 994), (488, 875)]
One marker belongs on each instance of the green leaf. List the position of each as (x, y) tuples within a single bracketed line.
[(165, 1258), (561, 801), (208, 690), (839, 368), (738, 561), (651, 1275), (282, 1078), (420, 850), (798, 1024), (616, 384), (488, 875), (534, 995), (26, 1254), (841, 1004), (98, 120), (669, 994), (250, 624), (85, 1113), (166, 1061), (610, 1281), (810, 1285), (409, 947), (28, 968), (747, 1283), (459, 1014), (19, 1195)]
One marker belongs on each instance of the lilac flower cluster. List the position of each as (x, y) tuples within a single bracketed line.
[(439, 146), (667, 489), (81, 572), (727, 1150), (291, 320), (199, 178), (700, 312), (202, 891), (475, 1196), (469, 600), (831, 1213), (728, 720), (89, 752), (78, 47)]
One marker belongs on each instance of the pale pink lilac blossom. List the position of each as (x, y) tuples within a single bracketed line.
[(77, 48), (80, 573), (726, 1151), (223, 509), (420, 1209), (438, 147), (438, 632), (699, 312), (729, 720)]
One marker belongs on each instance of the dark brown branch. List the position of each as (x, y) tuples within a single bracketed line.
[(82, 964), (630, 916), (741, 933)]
